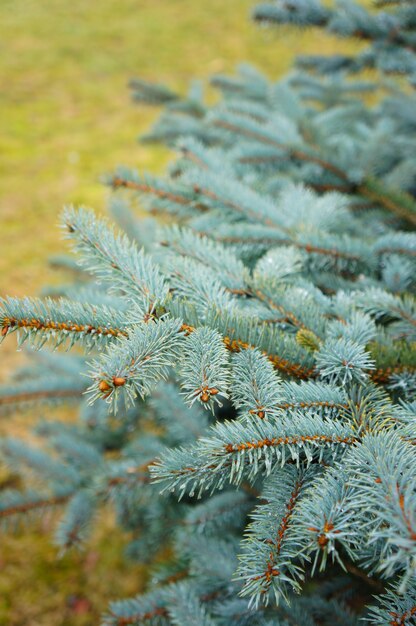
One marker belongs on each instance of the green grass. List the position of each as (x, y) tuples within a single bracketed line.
[(39, 589), (66, 115), (65, 119)]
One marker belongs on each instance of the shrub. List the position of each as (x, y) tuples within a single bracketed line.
[(250, 394)]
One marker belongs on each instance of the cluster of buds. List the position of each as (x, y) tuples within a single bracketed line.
[(322, 536), (205, 393), (106, 388)]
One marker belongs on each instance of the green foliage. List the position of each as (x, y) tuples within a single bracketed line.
[(282, 299)]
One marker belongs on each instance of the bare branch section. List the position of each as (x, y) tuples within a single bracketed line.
[(34, 505)]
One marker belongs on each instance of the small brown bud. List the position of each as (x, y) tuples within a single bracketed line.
[(213, 391), (204, 397), (119, 381), (104, 386), (4, 331), (260, 414)]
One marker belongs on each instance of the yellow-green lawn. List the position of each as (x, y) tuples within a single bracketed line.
[(66, 118)]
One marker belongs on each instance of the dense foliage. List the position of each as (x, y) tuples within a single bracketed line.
[(250, 392)]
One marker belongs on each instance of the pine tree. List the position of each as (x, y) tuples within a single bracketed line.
[(250, 368)]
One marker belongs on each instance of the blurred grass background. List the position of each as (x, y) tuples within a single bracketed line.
[(65, 119)]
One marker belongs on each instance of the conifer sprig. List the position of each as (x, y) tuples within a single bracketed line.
[(278, 293), (115, 260), (267, 564), (245, 450), (137, 363), (62, 322)]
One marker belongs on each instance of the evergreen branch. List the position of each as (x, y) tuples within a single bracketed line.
[(192, 155), (73, 450), (75, 523), (151, 93), (137, 363), (293, 153), (386, 308), (51, 389), (383, 375), (127, 475), (188, 607), (235, 450), (394, 609), (268, 562), (269, 284), (157, 608), (116, 260), (194, 282), (287, 315), (276, 266), (60, 321), (403, 251), (312, 404), (154, 608), (229, 270), (239, 333), (16, 506), (356, 22), (294, 440), (118, 182), (400, 619), (20, 456), (390, 504), (30, 396), (267, 238), (233, 194), (397, 202), (283, 365), (227, 509), (189, 422), (204, 369), (256, 390), (312, 394), (228, 324), (325, 521), (150, 608), (12, 323), (343, 361), (394, 201), (327, 187)]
